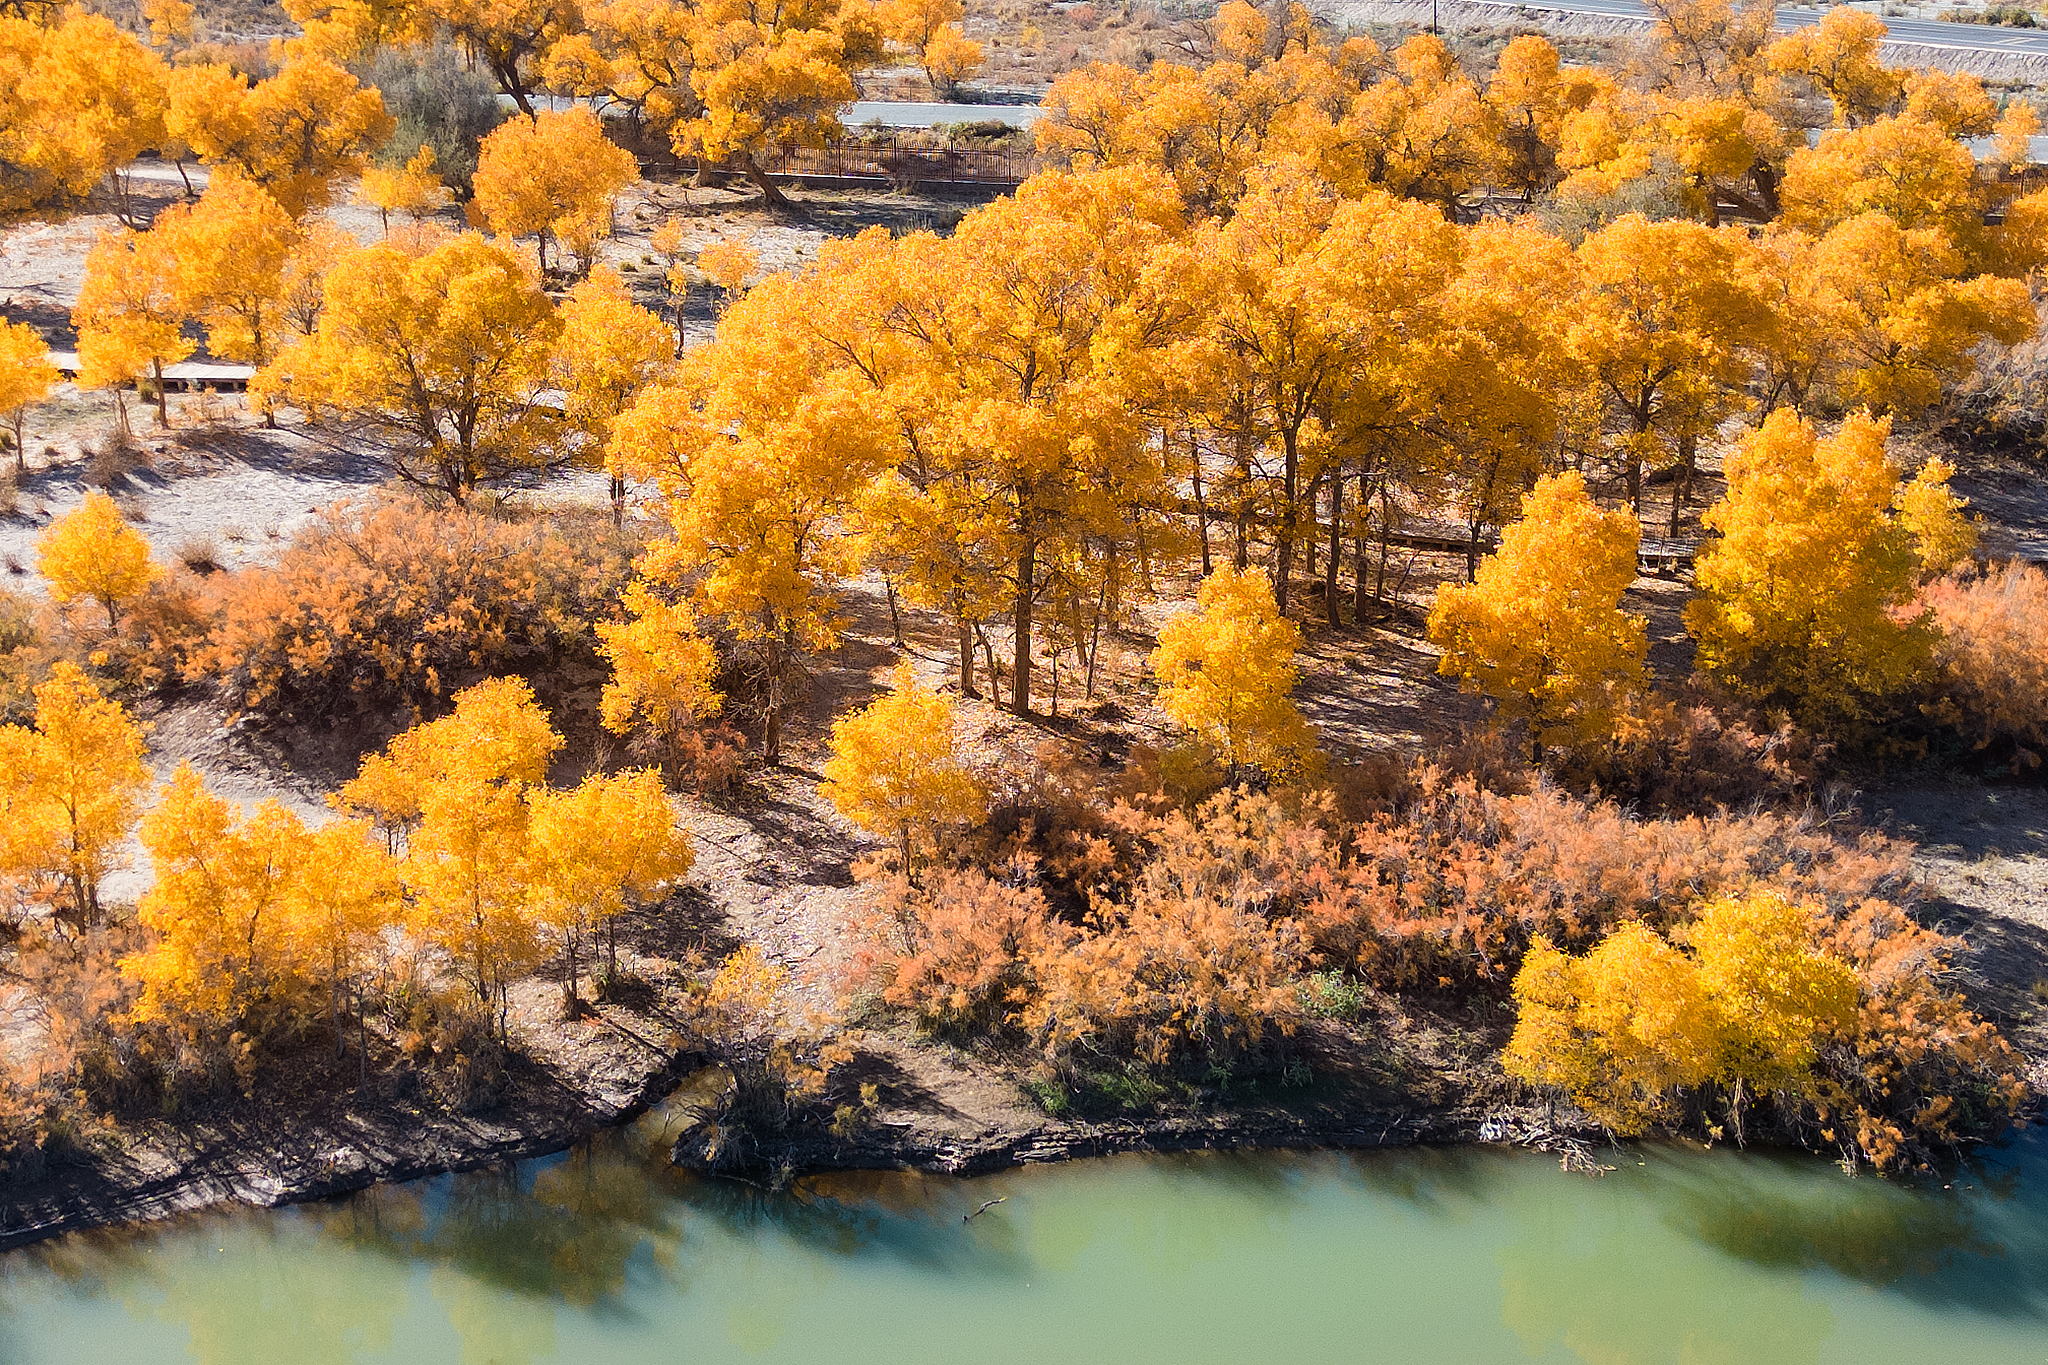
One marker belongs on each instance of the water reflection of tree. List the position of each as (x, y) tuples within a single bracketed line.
[(567, 1237), (247, 1286), (1586, 1266), (1598, 1268), (1977, 1239)]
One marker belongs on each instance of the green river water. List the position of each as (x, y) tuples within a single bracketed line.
[(1690, 1257)]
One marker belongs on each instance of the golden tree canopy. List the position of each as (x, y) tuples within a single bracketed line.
[(896, 768), (1541, 630), (1799, 593), (92, 551), (1226, 672)]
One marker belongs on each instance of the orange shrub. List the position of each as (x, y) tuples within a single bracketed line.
[(1451, 889), (1920, 1071), (1198, 962), (398, 604), (960, 951), (160, 629), (1993, 656), (25, 657), (1681, 756)]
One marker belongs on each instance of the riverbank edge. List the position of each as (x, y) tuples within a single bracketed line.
[(245, 1174), (241, 1174), (1067, 1140)]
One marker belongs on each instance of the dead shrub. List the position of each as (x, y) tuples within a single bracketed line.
[(200, 555), (108, 464), (708, 759)]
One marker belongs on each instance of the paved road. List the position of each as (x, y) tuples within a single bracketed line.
[(2019, 42), (905, 114)]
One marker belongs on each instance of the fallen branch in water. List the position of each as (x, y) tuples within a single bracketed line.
[(970, 1217)]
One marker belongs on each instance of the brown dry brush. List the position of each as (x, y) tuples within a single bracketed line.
[(1992, 659), (400, 605), (1102, 931)]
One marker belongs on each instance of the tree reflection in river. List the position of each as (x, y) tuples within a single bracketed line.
[(1431, 1257)]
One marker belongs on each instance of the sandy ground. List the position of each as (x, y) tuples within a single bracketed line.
[(1983, 851)]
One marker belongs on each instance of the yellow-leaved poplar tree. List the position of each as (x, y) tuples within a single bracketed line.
[(610, 349), (596, 850), (1943, 536), (294, 133), (92, 551), (453, 795), (554, 177), (342, 900), (1541, 629), (70, 790), (728, 264), (759, 445), (223, 945), (930, 30), (1637, 1022), (26, 377), (1800, 590), (228, 254), (496, 734), (414, 189), (129, 317), (440, 349), (767, 78), (1226, 671), (896, 768), (662, 669)]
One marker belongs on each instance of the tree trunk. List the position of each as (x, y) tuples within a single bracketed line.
[(163, 407), (771, 720), (1309, 541), (1283, 550), (967, 660), (1639, 429), (995, 678), (1095, 632), (1201, 505), (1359, 596), (1330, 606), (1242, 553), (20, 449), (895, 616), (1020, 679), (770, 194), (508, 81), (1681, 483), (618, 493)]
